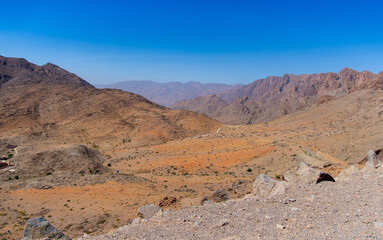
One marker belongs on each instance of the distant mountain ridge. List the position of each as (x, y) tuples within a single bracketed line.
[(167, 94), (270, 98)]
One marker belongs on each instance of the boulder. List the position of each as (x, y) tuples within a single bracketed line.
[(39, 228), (148, 211), (264, 185), (280, 188), (304, 174), (346, 174), (372, 160)]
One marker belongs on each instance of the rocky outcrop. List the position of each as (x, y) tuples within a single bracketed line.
[(39, 228), (265, 186), (148, 211), (372, 160), (304, 174)]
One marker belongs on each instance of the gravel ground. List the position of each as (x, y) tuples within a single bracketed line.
[(328, 210)]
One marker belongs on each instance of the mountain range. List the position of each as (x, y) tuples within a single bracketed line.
[(169, 93), (270, 98)]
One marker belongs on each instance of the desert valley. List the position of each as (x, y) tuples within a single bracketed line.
[(86, 159)]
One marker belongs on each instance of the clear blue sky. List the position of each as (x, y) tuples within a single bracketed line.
[(207, 41)]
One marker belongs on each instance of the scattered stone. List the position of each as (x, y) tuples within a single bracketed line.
[(11, 146), (39, 228), (279, 226), (206, 201), (220, 196), (148, 211), (372, 160), (327, 164), (220, 224), (168, 202)]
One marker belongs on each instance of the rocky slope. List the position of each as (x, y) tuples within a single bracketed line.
[(272, 97), (169, 93), (347, 209)]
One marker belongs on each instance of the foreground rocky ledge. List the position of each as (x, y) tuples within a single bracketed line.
[(349, 209)]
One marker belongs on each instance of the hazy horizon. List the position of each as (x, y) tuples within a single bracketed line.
[(208, 42)]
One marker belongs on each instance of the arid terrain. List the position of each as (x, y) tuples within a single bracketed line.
[(86, 159)]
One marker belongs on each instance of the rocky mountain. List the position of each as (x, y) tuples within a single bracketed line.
[(167, 94), (48, 102), (272, 97)]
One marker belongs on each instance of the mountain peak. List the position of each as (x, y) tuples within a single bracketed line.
[(347, 70), (23, 72)]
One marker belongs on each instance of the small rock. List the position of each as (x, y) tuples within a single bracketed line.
[(207, 202), (148, 211), (292, 200), (296, 209), (378, 224), (39, 228), (327, 164), (220, 224), (220, 196), (279, 226)]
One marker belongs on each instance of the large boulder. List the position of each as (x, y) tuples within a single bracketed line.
[(304, 174), (372, 160), (148, 211), (347, 174), (264, 185), (39, 228), (280, 188)]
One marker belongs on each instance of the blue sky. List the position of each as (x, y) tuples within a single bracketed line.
[(206, 41)]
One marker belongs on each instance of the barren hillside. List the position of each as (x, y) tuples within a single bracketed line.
[(49, 103)]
